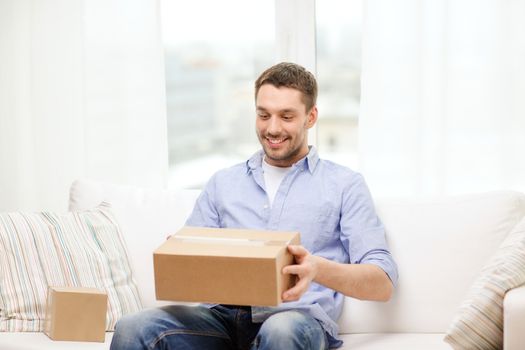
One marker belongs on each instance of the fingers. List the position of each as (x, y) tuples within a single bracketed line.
[(293, 270), (305, 269), (296, 291), (297, 250)]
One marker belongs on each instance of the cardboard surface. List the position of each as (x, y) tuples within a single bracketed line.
[(225, 266), (76, 314)]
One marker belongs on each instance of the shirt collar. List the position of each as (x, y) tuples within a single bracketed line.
[(309, 162)]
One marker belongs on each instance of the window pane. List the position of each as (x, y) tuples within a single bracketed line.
[(214, 51), (339, 24)]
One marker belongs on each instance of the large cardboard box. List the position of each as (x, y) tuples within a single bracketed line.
[(225, 266), (76, 314)]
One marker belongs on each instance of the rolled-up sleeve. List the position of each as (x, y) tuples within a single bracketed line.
[(362, 232)]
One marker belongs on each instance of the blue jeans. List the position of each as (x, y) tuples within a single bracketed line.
[(220, 327)]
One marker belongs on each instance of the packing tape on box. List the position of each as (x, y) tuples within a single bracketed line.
[(227, 241)]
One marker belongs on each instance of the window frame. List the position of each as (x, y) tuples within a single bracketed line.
[(295, 38)]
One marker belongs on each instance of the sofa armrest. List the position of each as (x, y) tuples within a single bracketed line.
[(514, 319)]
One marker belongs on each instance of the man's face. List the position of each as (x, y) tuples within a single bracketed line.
[(282, 124)]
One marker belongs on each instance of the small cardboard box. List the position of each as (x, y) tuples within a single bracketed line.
[(76, 314), (225, 266)]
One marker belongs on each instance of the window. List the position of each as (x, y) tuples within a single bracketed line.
[(338, 30), (213, 55)]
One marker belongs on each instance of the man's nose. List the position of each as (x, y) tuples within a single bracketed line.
[(274, 126)]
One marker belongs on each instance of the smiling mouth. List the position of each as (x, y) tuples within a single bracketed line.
[(274, 141)]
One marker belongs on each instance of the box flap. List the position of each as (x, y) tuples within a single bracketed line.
[(200, 241)]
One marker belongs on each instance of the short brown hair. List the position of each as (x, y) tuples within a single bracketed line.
[(293, 76)]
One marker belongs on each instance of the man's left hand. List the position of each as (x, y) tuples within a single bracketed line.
[(305, 269)]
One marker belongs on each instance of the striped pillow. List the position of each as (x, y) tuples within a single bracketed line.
[(83, 249), (479, 322)]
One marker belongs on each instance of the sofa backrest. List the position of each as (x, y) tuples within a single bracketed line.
[(440, 245)]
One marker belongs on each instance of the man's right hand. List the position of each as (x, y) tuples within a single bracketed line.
[(305, 269)]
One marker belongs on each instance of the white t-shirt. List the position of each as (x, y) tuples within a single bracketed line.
[(273, 175)]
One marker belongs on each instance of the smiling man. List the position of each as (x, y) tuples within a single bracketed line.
[(282, 124), (285, 186)]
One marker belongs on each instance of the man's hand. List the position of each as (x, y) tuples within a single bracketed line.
[(360, 281), (305, 269)]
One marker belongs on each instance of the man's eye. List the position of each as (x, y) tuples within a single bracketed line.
[(263, 116), (287, 117)]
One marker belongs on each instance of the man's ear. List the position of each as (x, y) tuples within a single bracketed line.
[(312, 117)]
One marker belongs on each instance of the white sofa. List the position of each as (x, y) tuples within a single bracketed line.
[(440, 245)]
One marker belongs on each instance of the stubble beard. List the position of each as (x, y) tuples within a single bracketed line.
[(290, 153)]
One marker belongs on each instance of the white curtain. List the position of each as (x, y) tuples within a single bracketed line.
[(81, 95), (443, 96)]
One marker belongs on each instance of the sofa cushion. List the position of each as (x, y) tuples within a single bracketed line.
[(147, 216), (440, 246), (82, 248), (38, 341), (394, 341), (479, 322)]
